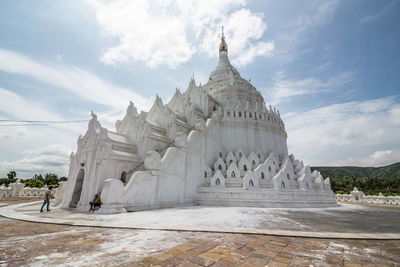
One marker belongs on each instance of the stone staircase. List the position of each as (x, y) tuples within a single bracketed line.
[(160, 134)]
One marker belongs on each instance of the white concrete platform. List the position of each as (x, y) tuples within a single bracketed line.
[(346, 221)]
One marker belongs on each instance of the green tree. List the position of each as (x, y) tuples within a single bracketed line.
[(38, 176), (12, 175), (34, 183), (7, 181), (346, 184), (369, 185), (51, 179)]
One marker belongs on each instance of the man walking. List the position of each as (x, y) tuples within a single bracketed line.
[(47, 197)]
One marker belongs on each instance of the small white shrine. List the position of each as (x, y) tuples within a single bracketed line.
[(215, 144)]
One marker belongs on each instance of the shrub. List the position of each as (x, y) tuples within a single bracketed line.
[(34, 183), (7, 181), (51, 178)]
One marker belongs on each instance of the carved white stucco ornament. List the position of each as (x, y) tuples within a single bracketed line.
[(215, 144)]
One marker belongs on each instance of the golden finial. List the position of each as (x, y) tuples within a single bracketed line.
[(223, 46)]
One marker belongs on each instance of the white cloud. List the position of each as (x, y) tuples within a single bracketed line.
[(16, 139), (342, 134), (320, 12), (395, 114), (285, 89), (171, 32), (322, 67), (31, 149), (76, 80), (49, 159), (34, 149), (297, 33), (371, 18), (20, 108), (377, 158), (260, 49), (152, 36), (37, 149)]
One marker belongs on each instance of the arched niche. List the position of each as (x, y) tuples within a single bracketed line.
[(76, 194), (123, 177)]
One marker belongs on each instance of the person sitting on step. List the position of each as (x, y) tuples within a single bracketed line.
[(96, 203)]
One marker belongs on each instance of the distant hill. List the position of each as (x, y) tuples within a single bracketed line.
[(389, 171)]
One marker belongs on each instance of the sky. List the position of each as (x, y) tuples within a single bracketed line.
[(332, 69)]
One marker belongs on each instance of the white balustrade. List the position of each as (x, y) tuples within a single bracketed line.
[(358, 196), (17, 189)]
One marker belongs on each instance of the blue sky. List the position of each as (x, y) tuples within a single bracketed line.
[(331, 68)]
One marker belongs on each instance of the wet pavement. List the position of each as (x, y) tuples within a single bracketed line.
[(41, 244), (353, 218), (344, 221)]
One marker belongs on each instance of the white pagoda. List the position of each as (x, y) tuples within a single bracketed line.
[(215, 144)]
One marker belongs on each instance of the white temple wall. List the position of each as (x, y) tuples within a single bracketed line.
[(89, 181), (169, 184), (212, 142), (268, 141), (72, 178), (234, 135), (270, 198), (72, 174), (110, 168), (148, 144), (92, 164), (141, 191), (142, 146), (195, 151), (198, 97), (82, 161), (277, 143), (95, 171), (233, 93)]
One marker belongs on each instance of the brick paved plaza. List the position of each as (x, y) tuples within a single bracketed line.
[(27, 243)]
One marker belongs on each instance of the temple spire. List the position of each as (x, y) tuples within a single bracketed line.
[(223, 47)]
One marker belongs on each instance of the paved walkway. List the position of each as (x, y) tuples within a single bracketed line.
[(345, 221), (39, 244)]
